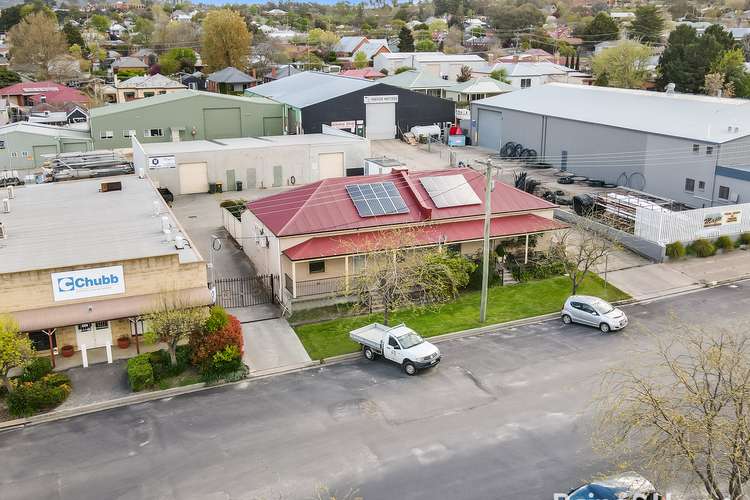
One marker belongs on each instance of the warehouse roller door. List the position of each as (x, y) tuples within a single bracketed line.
[(43, 150), (380, 120), (193, 178), (222, 123), (331, 165), (74, 147), (489, 129)]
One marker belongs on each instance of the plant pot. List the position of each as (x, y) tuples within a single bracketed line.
[(67, 351), (123, 342)]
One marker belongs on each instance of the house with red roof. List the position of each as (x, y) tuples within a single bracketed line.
[(24, 95), (316, 237), (366, 73)]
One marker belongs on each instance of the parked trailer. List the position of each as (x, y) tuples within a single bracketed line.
[(399, 344)]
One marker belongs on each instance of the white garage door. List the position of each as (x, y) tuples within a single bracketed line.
[(331, 165), (193, 178), (489, 129), (380, 120)]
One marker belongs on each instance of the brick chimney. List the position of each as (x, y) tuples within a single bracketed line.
[(273, 72), (515, 58)]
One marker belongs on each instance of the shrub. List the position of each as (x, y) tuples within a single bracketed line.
[(31, 397), (35, 370), (725, 243), (703, 248), (676, 250), (140, 372), (538, 268), (205, 344), (744, 239), (227, 360), (162, 365), (218, 318)]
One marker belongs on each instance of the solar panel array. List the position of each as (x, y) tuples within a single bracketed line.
[(450, 191), (379, 198)]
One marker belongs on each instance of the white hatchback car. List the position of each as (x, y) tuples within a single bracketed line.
[(593, 311)]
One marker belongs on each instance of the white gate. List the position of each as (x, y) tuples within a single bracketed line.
[(690, 225)]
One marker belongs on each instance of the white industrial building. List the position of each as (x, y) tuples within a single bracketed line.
[(262, 162), (692, 149)]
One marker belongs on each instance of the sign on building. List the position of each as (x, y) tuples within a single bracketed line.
[(380, 99), (84, 283), (463, 114), (162, 162), (345, 125)]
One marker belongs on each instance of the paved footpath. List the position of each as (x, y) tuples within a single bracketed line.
[(506, 415)]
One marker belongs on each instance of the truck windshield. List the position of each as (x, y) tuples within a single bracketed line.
[(409, 340)]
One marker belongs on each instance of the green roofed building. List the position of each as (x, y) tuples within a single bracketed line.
[(185, 115), (424, 82), (23, 145)]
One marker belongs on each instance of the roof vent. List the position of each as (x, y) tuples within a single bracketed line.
[(11, 192), (111, 186), (670, 88), (736, 129), (6, 206), (3, 232), (729, 129)]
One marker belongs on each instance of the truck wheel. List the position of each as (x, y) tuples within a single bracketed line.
[(369, 353), (409, 368)]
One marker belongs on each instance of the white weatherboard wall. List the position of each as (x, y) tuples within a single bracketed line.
[(690, 225)]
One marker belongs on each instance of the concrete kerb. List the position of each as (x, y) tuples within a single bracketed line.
[(260, 375)]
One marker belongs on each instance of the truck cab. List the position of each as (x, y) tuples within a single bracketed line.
[(399, 344)]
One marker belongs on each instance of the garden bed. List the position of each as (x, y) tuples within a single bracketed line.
[(524, 300)]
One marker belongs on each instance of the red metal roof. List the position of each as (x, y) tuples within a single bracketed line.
[(53, 92), (325, 205), (468, 230), (367, 73)]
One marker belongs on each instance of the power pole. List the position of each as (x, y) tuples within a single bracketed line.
[(486, 242)]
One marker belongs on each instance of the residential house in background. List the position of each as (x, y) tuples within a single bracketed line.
[(522, 75), (446, 66), (69, 114), (348, 47), (319, 241), (20, 97), (129, 64), (184, 115), (229, 80), (193, 81), (138, 87), (366, 73), (280, 71), (117, 30), (424, 82), (476, 88), (147, 56)]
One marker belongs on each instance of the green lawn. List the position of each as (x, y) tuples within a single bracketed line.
[(331, 338)]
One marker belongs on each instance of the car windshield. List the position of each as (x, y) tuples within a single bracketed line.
[(408, 340), (602, 307)]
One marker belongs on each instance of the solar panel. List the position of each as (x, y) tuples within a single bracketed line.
[(450, 191), (378, 198)]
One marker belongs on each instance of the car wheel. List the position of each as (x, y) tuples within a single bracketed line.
[(409, 368), (369, 353), (604, 327), (566, 319)]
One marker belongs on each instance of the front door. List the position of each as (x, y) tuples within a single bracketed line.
[(231, 182), (96, 334)]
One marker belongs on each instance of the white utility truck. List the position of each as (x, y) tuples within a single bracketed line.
[(399, 344)]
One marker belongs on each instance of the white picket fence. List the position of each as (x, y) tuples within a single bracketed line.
[(690, 225), (232, 225)]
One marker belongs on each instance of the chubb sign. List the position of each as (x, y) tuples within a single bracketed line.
[(85, 283)]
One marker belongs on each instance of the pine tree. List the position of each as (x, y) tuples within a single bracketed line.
[(406, 40)]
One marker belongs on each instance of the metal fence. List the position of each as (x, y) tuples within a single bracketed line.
[(325, 286), (690, 225), (245, 291)]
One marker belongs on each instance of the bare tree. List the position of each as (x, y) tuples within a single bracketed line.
[(172, 321), (403, 276), (683, 411), (581, 250)]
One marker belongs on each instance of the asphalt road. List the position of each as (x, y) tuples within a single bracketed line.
[(505, 416)]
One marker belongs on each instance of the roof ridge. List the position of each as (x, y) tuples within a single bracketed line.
[(301, 207)]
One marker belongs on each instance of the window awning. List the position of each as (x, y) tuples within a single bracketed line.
[(104, 310)]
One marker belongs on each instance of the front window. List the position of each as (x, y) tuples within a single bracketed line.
[(128, 133), (317, 266), (106, 134), (603, 307), (696, 148), (153, 132), (525, 83), (410, 339), (689, 185)]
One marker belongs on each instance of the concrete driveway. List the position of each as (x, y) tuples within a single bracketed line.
[(506, 415)]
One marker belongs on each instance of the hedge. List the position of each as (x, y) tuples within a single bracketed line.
[(140, 372), (29, 398), (35, 370), (206, 344)]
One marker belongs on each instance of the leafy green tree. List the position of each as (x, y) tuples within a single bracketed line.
[(402, 69), (100, 23), (406, 40), (508, 20), (172, 322), (73, 35), (601, 28), (178, 59), (226, 40), (8, 77), (10, 16), (648, 25), (689, 57), (731, 65), (425, 45), (624, 65), (360, 60), (501, 75), (144, 28), (16, 350), (722, 36)]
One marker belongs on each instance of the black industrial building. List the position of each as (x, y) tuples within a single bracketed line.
[(367, 108)]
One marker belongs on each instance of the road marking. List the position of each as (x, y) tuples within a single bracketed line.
[(430, 454)]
